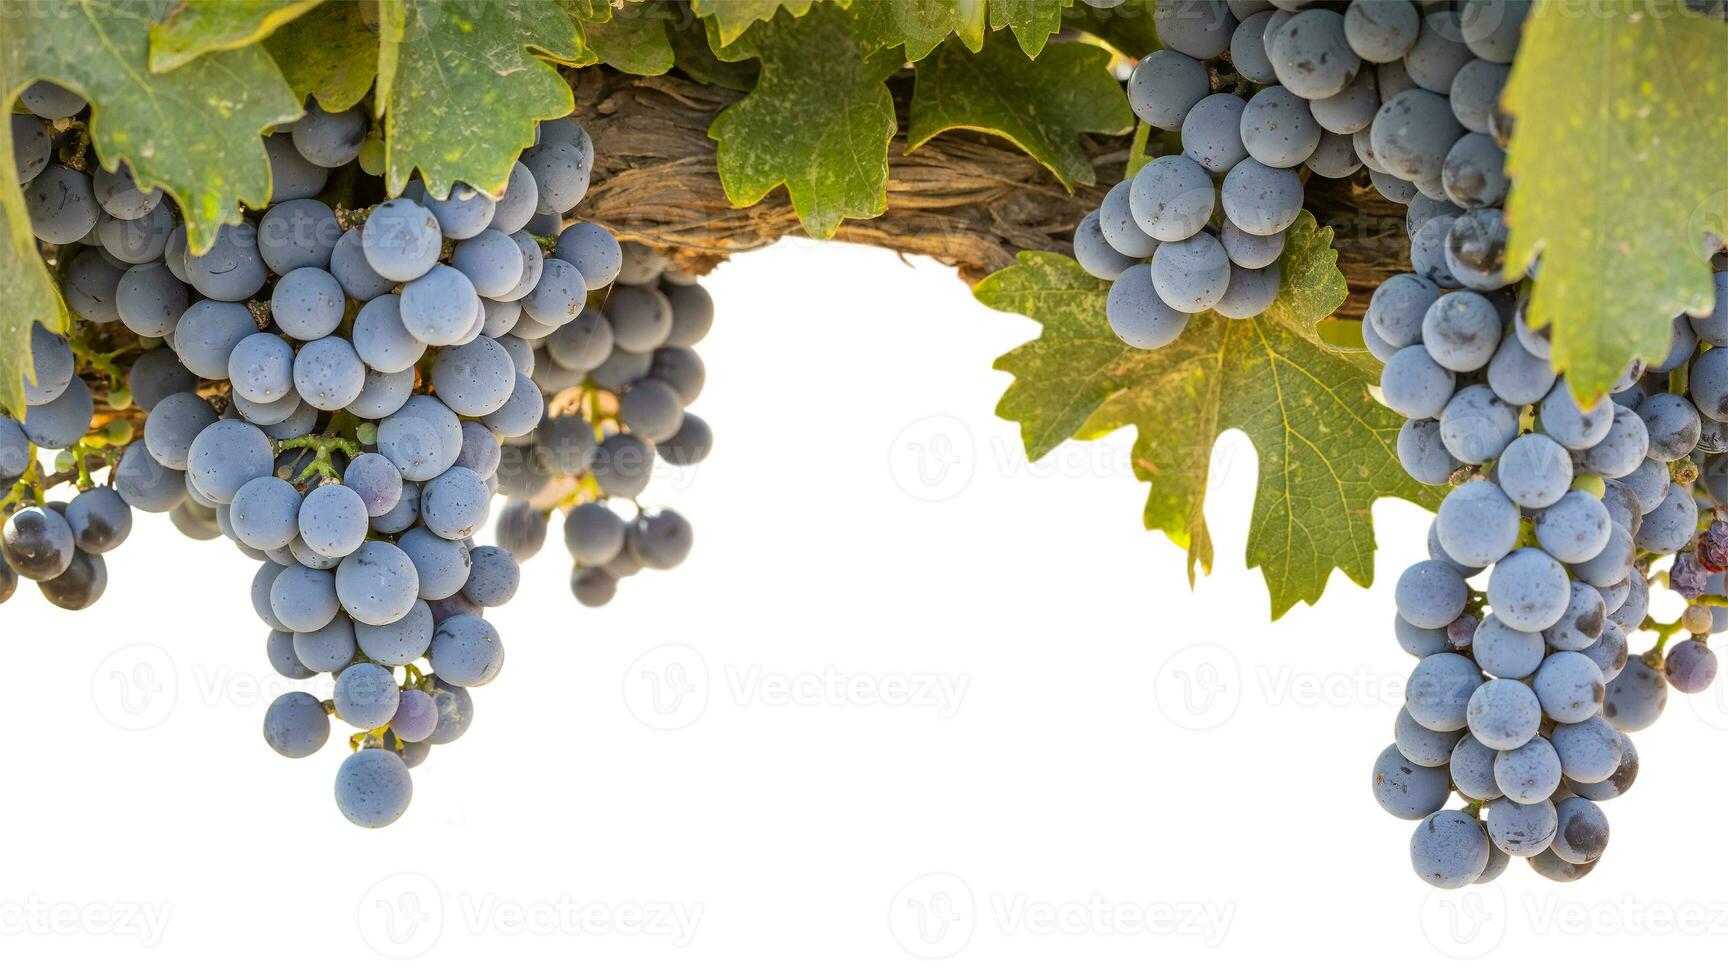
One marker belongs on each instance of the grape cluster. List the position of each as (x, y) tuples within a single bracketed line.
[(1543, 552), (617, 382), (1257, 91), (331, 388)]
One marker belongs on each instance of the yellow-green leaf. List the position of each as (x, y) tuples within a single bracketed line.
[(733, 17), (198, 27), (1619, 162), (920, 25), (634, 39), (193, 131), (1327, 450), (1041, 106), (694, 57), (27, 293), (1032, 21), (330, 54), (461, 89), (818, 121)]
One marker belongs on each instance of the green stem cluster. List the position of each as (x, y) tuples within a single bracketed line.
[(325, 447)]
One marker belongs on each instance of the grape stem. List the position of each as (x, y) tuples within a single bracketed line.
[(325, 447)]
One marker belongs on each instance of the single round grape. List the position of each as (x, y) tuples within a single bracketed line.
[(1093, 252), (37, 543), (1259, 199), (90, 287), (1423, 454), (1589, 751), (422, 439), (1439, 53), (559, 295), (399, 642), (1137, 315), (377, 583), (232, 270), (1476, 425), (1381, 31), (1570, 687), (641, 318), (494, 576), (295, 725), (1572, 426), (1334, 157), (1461, 331), (521, 529), (138, 240), (1164, 86), (1504, 714), (1413, 385), (99, 519), (292, 176), (1421, 745), (1117, 224), (1672, 424), (377, 481), (1583, 831), (1611, 649), (1477, 523), (265, 513), (1197, 28), (329, 373), (373, 788), (455, 711), (593, 534), (1476, 250), (150, 301), (521, 413), (1394, 189), (1350, 111), (1518, 376), (593, 587), (261, 367), (1407, 790), (1472, 770), (1171, 199), (441, 564), (1529, 590), (1449, 849), (1311, 55), (1278, 129), (207, 334), (561, 173), (466, 650), (1398, 307), (1690, 667), (60, 423), (327, 649), (416, 716), (1669, 527), (1635, 699), (1417, 641), (1438, 692), (145, 484), (439, 307), (298, 234), (1191, 275), (1249, 251), (1412, 133), (1251, 292), (1505, 652), (61, 205), (329, 139), (1528, 774), (32, 148), (175, 423), (333, 520), (1582, 623), (681, 368), (401, 240), (455, 503), (1618, 782), (1212, 132), (366, 695), (661, 540), (280, 650), (692, 313), (1535, 471), (1521, 829), (348, 265), (303, 599)]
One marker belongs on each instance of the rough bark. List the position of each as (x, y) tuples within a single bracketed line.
[(967, 199)]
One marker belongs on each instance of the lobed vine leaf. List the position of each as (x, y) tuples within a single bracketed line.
[(731, 18), (1041, 106), (330, 53), (461, 89), (920, 25), (1619, 161), (27, 291), (1327, 450), (193, 131), (198, 27), (634, 39), (818, 121), (1032, 21)]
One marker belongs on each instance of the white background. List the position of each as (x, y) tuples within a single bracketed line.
[(914, 707)]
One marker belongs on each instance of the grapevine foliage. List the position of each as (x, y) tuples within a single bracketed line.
[(1326, 448), (1619, 164)]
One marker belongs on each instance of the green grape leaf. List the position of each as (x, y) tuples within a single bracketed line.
[(27, 292), (920, 25), (818, 121), (198, 27), (330, 54), (1327, 449), (634, 39), (1128, 27), (731, 18), (1032, 21), (462, 91), (193, 131), (694, 57), (1619, 162), (1040, 106)]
